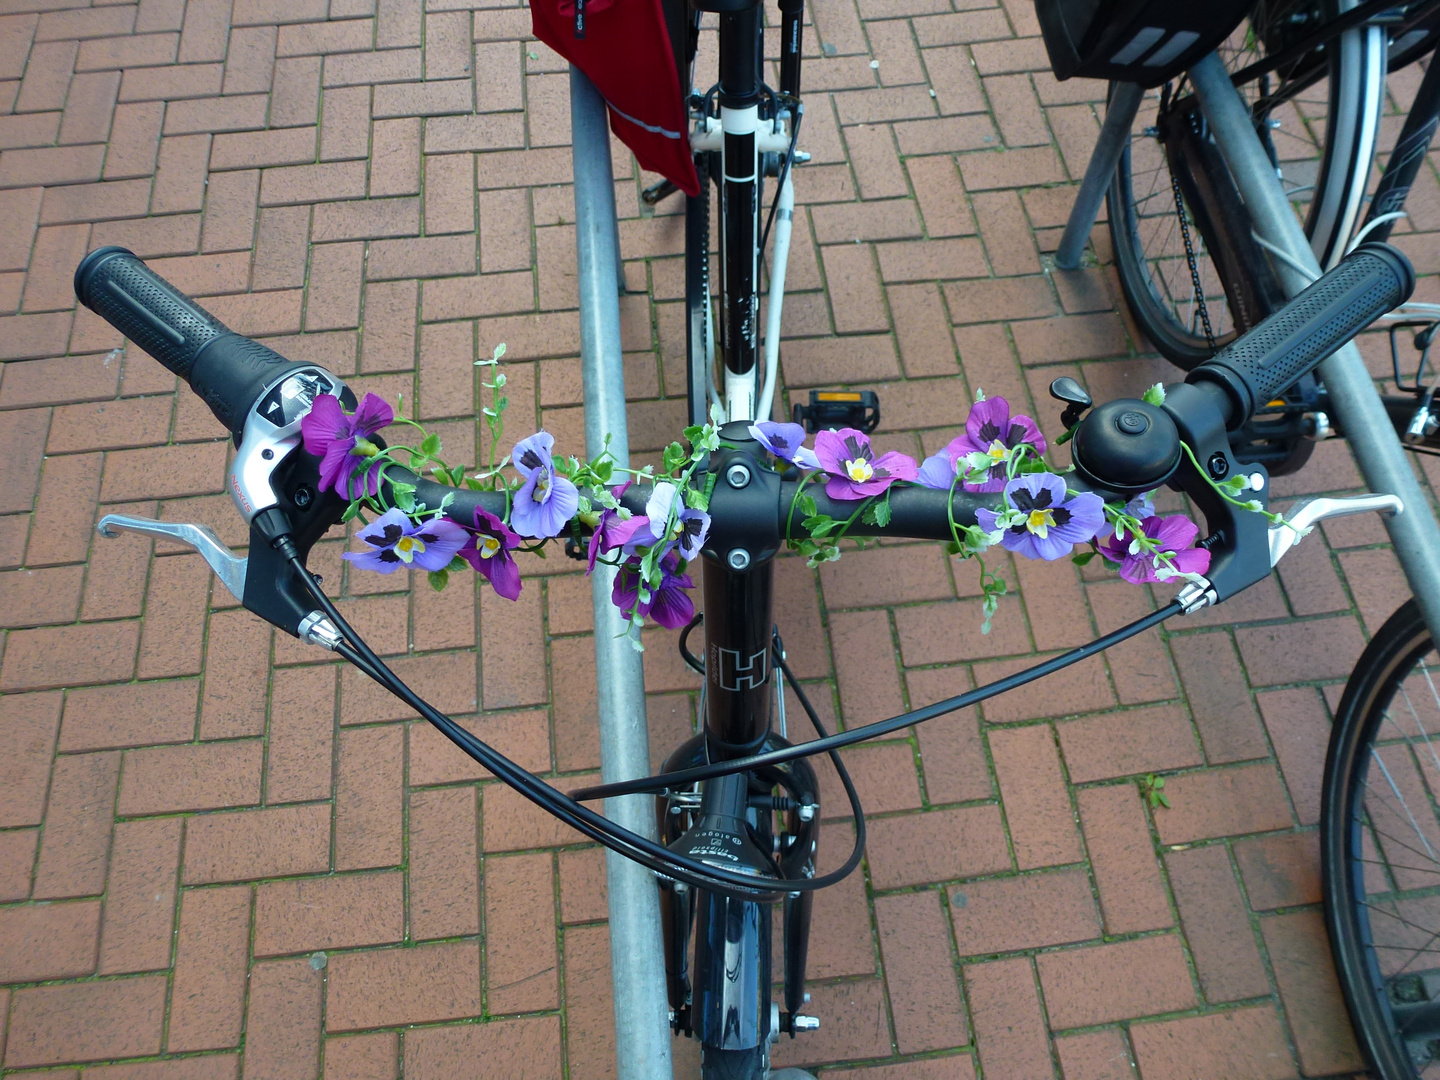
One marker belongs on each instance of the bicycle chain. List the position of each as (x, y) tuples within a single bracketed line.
[(1190, 259)]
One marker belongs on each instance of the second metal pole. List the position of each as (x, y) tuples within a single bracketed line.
[(1385, 466), (1120, 113), (637, 958)]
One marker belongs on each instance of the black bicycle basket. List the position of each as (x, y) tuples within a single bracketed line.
[(1140, 41)]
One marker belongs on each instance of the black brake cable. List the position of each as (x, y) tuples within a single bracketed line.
[(797, 114), (633, 846), (684, 777)]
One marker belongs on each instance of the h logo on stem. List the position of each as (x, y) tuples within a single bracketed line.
[(737, 673)]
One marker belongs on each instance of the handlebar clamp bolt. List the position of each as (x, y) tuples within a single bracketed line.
[(1218, 466), (737, 476), (267, 453), (302, 497), (739, 559)]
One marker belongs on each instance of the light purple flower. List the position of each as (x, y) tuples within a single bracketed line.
[(938, 470), (1176, 536), (786, 442), (992, 431), (488, 552), (1053, 522), (669, 605), (397, 542), (1139, 507), (647, 529), (855, 472), (332, 436), (547, 500)]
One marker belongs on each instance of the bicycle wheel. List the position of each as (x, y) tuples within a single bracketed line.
[(1380, 849), (716, 1064), (1319, 124)]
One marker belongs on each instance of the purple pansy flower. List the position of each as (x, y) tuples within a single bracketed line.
[(644, 530), (547, 500), (599, 539), (334, 438), (855, 471), (1053, 520), (396, 542), (786, 442), (1176, 536), (669, 605), (488, 552), (992, 431)]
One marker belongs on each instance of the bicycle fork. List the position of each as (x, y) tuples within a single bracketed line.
[(729, 821)]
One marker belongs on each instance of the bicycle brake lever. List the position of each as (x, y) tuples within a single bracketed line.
[(1305, 514), (228, 566)]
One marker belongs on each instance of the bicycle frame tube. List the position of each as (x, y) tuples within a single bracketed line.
[(741, 55), (738, 628)]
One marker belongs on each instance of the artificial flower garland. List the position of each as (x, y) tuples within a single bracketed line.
[(1037, 515)]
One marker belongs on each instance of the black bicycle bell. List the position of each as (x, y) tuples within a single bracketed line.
[(1127, 446)]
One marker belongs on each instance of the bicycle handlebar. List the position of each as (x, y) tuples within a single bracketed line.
[(226, 369), (1121, 448), (1371, 280)]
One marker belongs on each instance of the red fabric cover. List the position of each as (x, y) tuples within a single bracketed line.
[(626, 52)]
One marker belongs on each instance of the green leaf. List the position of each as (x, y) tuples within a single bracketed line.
[(952, 548), (473, 484), (1154, 396), (350, 512), (693, 433), (603, 471), (675, 456), (431, 445), (807, 505), (439, 579), (1082, 559), (457, 564), (882, 511)]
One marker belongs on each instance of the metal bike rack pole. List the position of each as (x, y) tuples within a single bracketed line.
[(1384, 464), (637, 964), (1114, 133)]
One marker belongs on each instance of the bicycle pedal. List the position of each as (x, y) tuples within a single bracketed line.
[(839, 408), (656, 192)]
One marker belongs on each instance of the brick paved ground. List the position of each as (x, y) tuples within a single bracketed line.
[(220, 853)]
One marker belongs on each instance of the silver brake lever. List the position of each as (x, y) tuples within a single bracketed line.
[(228, 566), (1305, 514)]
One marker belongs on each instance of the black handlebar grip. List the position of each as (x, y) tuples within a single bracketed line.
[(228, 371), (1254, 369)]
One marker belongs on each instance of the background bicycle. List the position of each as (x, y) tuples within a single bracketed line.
[(885, 989)]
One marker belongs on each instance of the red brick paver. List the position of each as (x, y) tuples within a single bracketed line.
[(223, 858)]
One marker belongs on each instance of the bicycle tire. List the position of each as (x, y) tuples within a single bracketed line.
[(1159, 298), (717, 1064), (1369, 874)]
